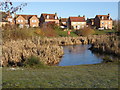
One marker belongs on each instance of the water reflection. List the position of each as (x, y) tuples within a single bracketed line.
[(77, 49), (77, 55)]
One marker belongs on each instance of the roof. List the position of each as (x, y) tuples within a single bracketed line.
[(26, 17), (90, 19), (105, 17), (77, 19), (63, 19), (51, 16)]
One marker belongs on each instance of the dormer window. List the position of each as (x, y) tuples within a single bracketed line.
[(47, 16), (102, 17), (55, 17), (26, 21)]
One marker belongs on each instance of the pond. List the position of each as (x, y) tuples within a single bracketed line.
[(78, 55)]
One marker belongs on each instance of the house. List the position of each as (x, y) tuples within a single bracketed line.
[(46, 18), (27, 20), (3, 23), (6, 18), (103, 21), (90, 22), (63, 21), (76, 23)]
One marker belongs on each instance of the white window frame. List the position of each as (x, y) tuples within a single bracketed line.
[(10, 19), (55, 17), (47, 16), (19, 20), (33, 20)]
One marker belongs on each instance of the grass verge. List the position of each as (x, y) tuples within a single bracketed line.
[(81, 76)]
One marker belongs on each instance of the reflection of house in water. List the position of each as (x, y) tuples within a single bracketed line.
[(77, 49)]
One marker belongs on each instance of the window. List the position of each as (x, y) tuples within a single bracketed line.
[(47, 16), (102, 17), (109, 22), (82, 22), (102, 22), (10, 19), (18, 20), (33, 20), (55, 17), (74, 27), (26, 21), (73, 22), (78, 27)]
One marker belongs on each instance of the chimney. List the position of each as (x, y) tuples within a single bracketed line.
[(83, 15), (15, 15), (55, 14), (108, 14)]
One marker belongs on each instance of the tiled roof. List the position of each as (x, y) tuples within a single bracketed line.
[(63, 19), (105, 17), (51, 16), (77, 19), (26, 17)]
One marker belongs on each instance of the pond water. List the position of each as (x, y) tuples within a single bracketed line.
[(78, 55)]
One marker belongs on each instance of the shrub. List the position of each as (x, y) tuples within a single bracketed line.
[(85, 31), (15, 33), (39, 32), (107, 59), (49, 30), (33, 61)]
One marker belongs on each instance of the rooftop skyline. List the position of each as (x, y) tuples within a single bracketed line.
[(66, 9)]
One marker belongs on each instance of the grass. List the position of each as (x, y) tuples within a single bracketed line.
[(99, 32), (64, 33), (81, 76)]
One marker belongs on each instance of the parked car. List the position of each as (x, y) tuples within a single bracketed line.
[(100, 28)]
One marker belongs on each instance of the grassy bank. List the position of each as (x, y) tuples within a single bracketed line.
[(82, 76), (100, 32)]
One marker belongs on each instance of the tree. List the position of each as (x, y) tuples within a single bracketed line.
[(7, 6)]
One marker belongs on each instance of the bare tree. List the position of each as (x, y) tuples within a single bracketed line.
[(8, 7)]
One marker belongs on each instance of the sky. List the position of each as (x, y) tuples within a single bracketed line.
[(66, 9)]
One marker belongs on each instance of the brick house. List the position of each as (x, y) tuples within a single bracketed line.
[(6, 18), (47, 18), (90, 22), (103, 21), (76, 23), (63, 22), (27, 20)]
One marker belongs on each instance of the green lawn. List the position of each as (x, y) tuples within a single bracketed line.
[(81, 76), (98, 32), (64, 33)]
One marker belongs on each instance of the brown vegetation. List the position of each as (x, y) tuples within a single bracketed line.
[(85, 32)]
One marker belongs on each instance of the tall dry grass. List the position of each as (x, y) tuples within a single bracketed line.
[(85, 31), (15, 33)]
